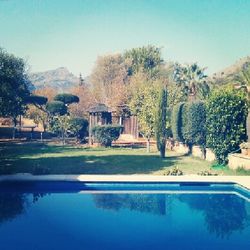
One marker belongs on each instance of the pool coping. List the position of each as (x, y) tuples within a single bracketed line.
[(243, 181)]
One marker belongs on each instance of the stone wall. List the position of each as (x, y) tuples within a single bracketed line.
[(197, 152), (181, 148), (239, 161), (210, 156)]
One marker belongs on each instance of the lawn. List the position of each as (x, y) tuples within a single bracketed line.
[(38, 158)]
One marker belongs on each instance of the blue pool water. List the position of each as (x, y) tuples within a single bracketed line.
[(103, 216)]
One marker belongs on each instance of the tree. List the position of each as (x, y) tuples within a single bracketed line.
[(109, 80), (13, 86), (143, 103), (226, 121), (66, 98), (192, 79), (40, 116), (176, 122), (146, 58), (56, 108), (160, 129), (86, 100)]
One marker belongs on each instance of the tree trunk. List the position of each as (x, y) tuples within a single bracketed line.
[(163, 149), (14, 128), (148, 145)]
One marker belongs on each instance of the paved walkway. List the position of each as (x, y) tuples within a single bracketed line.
[(241, 180)]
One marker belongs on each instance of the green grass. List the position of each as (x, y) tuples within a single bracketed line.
[(40, 158)]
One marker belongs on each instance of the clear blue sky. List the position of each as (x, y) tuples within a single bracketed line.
[(72, 33)]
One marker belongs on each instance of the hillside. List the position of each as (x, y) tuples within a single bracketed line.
[(228, 74), (60, 79)]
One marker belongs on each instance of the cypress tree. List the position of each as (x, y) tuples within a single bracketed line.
[(161, 116)]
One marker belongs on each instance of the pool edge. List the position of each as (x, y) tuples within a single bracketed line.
[(243, 181)]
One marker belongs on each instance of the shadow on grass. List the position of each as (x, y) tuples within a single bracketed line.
[(109, 164)]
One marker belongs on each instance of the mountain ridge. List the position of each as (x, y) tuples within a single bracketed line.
[(60, 79)]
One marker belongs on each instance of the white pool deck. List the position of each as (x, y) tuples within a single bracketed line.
[(240, 180)]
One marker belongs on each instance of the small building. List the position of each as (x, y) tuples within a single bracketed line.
[(100, 114)]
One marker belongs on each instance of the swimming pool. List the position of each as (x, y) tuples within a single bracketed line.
[(88, 215)]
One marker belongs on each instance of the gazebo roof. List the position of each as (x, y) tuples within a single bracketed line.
[(99, 108)]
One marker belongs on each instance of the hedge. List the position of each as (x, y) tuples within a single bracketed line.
[(176, 122), (226, 122), (194, 124), (105, 134)]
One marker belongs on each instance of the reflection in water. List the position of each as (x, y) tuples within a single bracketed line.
[(223, 214), (149, 203), (11, 205), (15, 204)]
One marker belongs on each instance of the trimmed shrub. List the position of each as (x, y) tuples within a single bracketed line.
[(56, 108), (36, 100), (176, 122), (194, 124), (66, 98), (226, 121), (78, 126), (105, 134)]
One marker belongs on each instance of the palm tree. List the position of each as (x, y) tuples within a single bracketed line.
[(193, 80)]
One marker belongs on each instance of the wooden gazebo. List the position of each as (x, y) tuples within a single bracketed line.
[(100, 114)]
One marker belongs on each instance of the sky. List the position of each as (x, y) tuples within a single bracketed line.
[(73, 33)]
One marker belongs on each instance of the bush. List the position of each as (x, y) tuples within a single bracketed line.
[(105, 134), (79, 126), (194, 124), (56, 108), (176, 122), (66, 98), (226, 121)]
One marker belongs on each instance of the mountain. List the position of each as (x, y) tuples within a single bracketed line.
[(60, 79), (229, 74)]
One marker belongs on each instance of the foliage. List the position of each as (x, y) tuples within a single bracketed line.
[(160, 122), (144, 103), (226, 121), (192, 79), (38, 115), (185, 123), (105, 134), (146, 58), (79, 126), (207, 173), (66, 98), (194, 124), (14, 85), (36, 100), (56, 108), (174, 171), (176, 122), (109, 79), (60, 125), (86, 100)]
